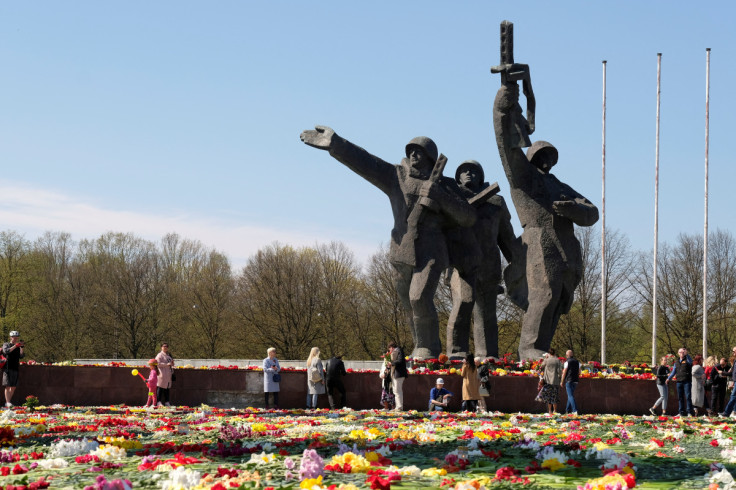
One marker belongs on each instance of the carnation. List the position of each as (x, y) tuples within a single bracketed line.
[(181, 479), (64, 449)]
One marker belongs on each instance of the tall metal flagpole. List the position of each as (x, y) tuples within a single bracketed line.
[(603, 228), (656, 217), (705, 230)]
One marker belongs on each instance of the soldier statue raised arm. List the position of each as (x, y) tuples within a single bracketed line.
[(423, 208), (547, 209)]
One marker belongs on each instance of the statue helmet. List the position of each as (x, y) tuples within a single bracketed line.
[(542, 148), (426, 144), (470, 163)]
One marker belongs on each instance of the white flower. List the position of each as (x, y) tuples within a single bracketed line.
[(723, 478), (65, 449), (108, 452), (52, 463), (729, 455), (262, 458), (181, 479), (384, 451), (410, 471)]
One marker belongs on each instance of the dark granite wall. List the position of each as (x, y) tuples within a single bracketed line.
[(71, 385)]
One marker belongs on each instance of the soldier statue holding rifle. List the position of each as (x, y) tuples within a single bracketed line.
[(547, 209), (424, 205)]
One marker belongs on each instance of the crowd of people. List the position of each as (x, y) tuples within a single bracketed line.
[(327, 379), (700, 384)]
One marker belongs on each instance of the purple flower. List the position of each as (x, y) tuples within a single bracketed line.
[(312, 465)]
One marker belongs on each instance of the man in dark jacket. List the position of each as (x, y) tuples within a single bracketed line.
[(682, 371), (570, 378), (398, 374), (731, 405), (13, 351), (335, 372)]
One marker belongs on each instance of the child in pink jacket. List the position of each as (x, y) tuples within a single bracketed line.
[(152, 382)]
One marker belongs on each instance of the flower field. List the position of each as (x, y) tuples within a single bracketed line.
[(204, 447)]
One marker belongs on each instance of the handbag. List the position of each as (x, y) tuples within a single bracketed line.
[(276, 378), (314, 375), (173, 376)]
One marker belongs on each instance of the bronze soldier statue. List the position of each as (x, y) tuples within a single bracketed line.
[(547, 208), (475, 278), (423, 208)]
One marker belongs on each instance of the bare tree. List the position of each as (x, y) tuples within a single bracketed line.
[(383, 301), (211, 293), (123, 270), (338, 273), (580, 329), (14, 279), (278, 299)]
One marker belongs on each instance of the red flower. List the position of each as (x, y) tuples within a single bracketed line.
[(714, 443), (507, 473), (378, 483)]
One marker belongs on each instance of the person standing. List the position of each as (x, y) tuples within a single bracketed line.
[(682, 372), (13, 352), (698, 385), (335, 372), (152, 383), (387, 394), (471, 384), (315, 378), (484, 375), (552, 369), (719, 375), (570, 378), (271, 377), (663, 372), (731, 405), (166, 368), (398, 374)]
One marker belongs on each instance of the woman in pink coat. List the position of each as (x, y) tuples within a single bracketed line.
[(166, 368)]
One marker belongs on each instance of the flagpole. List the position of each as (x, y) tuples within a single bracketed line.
[(656, 215), (705, 227), (603, 226)]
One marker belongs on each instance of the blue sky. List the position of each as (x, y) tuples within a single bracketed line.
[(157, 117)]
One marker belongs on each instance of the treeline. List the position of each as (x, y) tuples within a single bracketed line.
[(120, 296)]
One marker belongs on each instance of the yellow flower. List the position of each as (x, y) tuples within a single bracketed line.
[(434, 472), (600, 446), (553, 464), (372, 456), (311, 483)]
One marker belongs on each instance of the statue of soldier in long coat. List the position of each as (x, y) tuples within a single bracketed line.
[(548, 209), (475, 279), (423, 208)]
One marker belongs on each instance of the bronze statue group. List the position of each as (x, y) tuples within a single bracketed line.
[(459, 227)]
